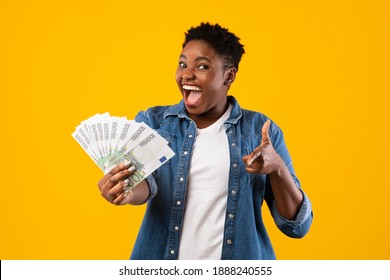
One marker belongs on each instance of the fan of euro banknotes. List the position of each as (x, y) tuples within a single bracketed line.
[(110, 140)]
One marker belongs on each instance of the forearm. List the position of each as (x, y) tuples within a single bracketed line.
[(288, 197)]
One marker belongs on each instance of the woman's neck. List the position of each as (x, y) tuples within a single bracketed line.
[(208, 118)]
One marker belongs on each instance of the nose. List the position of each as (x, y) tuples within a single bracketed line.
[(188, 74)]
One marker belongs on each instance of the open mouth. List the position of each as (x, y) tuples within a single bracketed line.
[(192, 94)]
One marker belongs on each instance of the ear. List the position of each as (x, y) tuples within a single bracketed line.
[(230, 76)]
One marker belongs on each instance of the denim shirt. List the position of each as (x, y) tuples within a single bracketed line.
[(244, 236)]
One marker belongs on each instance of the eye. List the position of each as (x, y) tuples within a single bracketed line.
[(203, 67), (182, 65)]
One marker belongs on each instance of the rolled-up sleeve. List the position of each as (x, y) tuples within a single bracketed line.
[(300, 226)]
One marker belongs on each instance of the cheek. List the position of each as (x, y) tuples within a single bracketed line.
[(214, 83)]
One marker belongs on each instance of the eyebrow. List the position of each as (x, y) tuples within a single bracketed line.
[(198, 58)]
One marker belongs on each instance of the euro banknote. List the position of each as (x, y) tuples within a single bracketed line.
[(110, 140)]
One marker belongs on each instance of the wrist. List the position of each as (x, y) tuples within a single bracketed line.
[(279, 169)]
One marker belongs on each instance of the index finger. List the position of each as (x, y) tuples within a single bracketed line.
[(113, 171), (254, 155), (264, 131)]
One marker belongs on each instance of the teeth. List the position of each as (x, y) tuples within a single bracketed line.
[(188, 87)]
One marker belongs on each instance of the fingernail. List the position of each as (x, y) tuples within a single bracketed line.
[(127, 181), (127, 163), (131, 169), (126, 192)]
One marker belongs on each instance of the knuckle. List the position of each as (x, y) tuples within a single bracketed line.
[(101, 183), (113, 171), (111, 193)]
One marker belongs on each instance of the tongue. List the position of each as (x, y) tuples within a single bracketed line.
[(194, 96)]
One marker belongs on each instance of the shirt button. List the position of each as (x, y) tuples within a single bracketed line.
[(172, 252), (229, 241), (231, 216), (235, 165), (176, 228), (234, 192), (190, 136), (185, 153), (181, 179), (233, 144), (178, 202)]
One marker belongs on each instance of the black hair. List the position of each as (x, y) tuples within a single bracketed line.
[(225, 43)]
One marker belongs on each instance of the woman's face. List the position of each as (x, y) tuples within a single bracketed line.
[(201, 77)]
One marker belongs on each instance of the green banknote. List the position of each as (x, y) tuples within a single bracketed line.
[(111, 140)]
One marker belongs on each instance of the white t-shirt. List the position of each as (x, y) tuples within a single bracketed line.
[(206, 197)]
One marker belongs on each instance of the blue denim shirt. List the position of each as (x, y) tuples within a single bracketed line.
[(245, 236)]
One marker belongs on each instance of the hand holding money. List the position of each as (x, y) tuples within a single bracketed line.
[(115, 143), (113, 186)]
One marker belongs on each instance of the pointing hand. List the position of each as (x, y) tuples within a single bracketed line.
[(264, 159)]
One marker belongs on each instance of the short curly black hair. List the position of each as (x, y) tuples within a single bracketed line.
[(225, 43)]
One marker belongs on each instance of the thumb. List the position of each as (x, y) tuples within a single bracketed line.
[(264, 132)]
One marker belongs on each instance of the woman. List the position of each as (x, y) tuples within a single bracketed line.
[(204, 203)]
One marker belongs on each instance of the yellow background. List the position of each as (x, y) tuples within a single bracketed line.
[(320, 69)]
